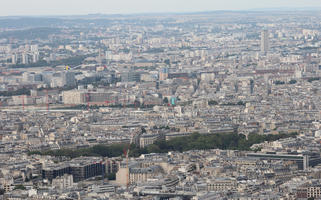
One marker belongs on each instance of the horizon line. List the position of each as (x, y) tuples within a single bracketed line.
[(275, 9)]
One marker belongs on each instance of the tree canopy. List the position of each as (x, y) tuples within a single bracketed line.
[(195, 141)]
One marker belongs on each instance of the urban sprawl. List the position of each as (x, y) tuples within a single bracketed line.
[(200, 106)]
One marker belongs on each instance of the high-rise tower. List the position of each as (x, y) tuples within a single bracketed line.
[(265, 41), (24, 58)]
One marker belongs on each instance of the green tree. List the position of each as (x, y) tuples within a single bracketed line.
[(241, 103), (194, 141), (19, 187), (153, 148), (212, 102), (279, 82), (293, 81), (313, 79), (143, 130), (165, 100), (137, 103)]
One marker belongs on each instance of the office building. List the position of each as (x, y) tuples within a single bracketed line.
[(303, 161), (24, 59), (163, 75), (35, 57), (265, 41), (69, 79), (14, 59), (130, 76), (80, 168)]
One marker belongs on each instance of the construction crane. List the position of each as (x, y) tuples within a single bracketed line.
[(24, 98), (126, 153), (47, 100), (23, 102)]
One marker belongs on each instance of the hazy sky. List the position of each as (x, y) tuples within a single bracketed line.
[(71, 7)]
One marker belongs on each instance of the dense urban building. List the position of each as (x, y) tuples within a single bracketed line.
[(213, 105)]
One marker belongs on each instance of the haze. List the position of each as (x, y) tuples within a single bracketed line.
[(75, 7)]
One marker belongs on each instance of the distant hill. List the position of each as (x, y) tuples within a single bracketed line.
[(32, 33), (287, 9), (24, 22), (106, 19)]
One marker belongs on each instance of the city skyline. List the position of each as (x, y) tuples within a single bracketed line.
[(83, 7), (199, 105)]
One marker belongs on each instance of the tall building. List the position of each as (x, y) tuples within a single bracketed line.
[(24, 58), (265, 41), (52, 57), (108, 55), (77, 97), (80, 168), (73, 97), (130, 76), (60, 79), (14, 59), (163, 75), (69, 79), (34, 48), (35, 57)]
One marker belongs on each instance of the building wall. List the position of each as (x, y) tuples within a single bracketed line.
[(73, 97), (121, 176)]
